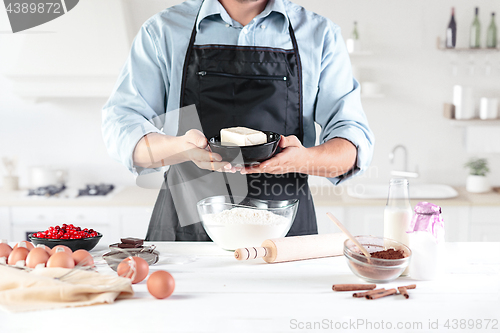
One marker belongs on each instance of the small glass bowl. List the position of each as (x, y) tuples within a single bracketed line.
[(380, 270)]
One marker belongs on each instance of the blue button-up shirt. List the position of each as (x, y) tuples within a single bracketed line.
[(146, 96)]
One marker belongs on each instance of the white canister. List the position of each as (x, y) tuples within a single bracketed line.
[(353, 45), (370, 88), (463, 99), (488, 108), (43, 176), (426, 239), (11, 183)]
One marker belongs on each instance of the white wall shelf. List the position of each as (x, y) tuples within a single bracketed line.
[(372, 96), (468, 50), (474, 122), (361, 53), (37, 87)]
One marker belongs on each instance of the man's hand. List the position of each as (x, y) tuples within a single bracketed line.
[(156, 150), (330, 159), (291, 158), (195, 148)]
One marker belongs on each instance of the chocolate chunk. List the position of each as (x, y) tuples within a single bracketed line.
[(128, 246), (131, 240)]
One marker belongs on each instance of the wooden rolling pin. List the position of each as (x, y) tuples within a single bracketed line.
[(295, 248)]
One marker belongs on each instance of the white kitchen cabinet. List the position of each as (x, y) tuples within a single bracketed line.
[(25, 220), (325, 225), (359, 220), (456, 223), (369, 220), (4, 223), (112, 222), (134, 221), (485, 233), (485, 224), (47, 215), (462, 223), (365, 220)]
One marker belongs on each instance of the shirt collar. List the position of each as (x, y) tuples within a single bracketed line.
[(214, 7)]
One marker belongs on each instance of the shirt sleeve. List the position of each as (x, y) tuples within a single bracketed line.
[(338, 109), (137, 103)]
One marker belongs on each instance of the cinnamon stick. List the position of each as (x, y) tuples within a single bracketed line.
[(366, 293), (383, 294), (411, 286), (353, 287), (404, 292)]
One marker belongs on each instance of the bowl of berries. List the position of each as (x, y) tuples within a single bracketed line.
[(75, 238)]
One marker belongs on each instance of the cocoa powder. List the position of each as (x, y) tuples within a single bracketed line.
[(388, 254), (379, 272)]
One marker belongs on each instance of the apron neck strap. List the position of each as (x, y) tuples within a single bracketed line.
[(296, 51)]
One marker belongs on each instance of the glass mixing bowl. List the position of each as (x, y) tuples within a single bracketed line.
[(247, 222), (380, 270)]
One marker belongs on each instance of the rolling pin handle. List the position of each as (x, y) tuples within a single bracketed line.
[(249, 253)]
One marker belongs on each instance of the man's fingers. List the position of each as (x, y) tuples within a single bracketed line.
[(290, 141), (271, 162), (215, 166), (203, 155), (254, 169), (214, 157), (197, 138)]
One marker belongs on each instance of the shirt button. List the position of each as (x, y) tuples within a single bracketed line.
[(245, 31), (263, 26), (227, 25)]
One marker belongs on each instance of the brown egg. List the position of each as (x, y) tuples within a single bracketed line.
[(19, 253), (83, 257), (25, 244), (141, 267), (61, 259), (161, 284), (66, 249), (5, 250), (46, 248), (37, 256)]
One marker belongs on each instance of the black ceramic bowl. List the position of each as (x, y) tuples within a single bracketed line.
[(250, 154), (74, 244)]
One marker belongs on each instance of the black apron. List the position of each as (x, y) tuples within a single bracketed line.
[(255, 87)]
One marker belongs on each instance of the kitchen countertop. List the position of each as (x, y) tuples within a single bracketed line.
[(216, 293), (323, 196), (329, 196)]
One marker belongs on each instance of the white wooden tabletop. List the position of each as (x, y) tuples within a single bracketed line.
[(216, 293)]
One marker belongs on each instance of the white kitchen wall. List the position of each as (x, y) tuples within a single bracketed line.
[(60, 134), (416, 79)]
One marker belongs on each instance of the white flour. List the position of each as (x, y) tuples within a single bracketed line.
[(244, 227), (240, 215)]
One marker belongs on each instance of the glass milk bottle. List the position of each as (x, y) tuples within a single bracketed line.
[(398, 212), (426, 242)]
